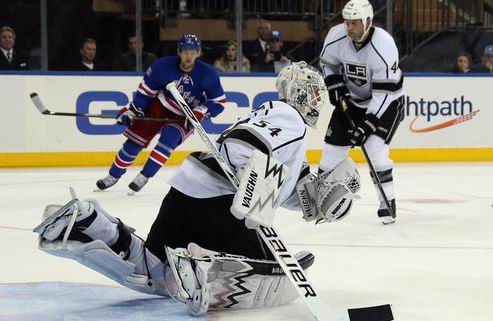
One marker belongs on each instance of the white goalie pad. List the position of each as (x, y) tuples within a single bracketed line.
[(224, 281), (187, 281), (329, 196), (260, 184), (97, 256)]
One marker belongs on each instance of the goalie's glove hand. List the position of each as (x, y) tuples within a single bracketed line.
[(337, 89), (126, 114), (359, 134), (200, 113)]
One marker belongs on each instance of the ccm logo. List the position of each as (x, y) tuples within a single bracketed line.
[(120, 99)]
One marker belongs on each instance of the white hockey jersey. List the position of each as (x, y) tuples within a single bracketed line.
[(276, 129), (371, 70)]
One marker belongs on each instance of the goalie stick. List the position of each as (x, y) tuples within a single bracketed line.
[(283, 256), (43, 110), (370, 164)]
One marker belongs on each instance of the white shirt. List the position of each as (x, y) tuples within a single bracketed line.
[(278, 65), (262, 43), (276, 128), (90, 66), (371, 73), (4, 51)]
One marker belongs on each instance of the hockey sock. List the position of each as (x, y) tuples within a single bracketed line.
[(387, 181), (124, 158), (169, 139)]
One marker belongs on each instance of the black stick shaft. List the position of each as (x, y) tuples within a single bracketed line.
[(104, 116), (370, 164)]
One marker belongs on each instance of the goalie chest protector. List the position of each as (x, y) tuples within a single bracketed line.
[(275, 128)]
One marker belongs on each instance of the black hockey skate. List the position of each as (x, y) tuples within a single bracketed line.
[(385, 215), (106, 182), (137, 184)]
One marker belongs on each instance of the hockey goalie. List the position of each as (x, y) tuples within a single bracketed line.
[(202, 248)]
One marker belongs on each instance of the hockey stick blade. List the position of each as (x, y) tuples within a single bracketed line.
[(38, 103), (45, 111)]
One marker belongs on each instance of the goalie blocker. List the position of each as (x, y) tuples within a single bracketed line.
[(260, 182)]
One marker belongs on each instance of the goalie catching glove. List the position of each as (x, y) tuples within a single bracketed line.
[(329, 196)]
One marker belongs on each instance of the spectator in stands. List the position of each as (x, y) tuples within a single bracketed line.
[(486, 60), (256, 50), (88, 60), (227, 62), (126, 61), (10, 57), (275, 57), (463, 63)]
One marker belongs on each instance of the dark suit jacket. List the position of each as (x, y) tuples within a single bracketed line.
[(19, 61), (126, 61), (97, 67), (254, 52)]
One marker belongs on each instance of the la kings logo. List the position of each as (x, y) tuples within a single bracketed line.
[(356, 73)]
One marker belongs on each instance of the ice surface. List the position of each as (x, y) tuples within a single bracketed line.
[(435, 263)]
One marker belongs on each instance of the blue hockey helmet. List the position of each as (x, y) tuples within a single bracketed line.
[(188, 41)]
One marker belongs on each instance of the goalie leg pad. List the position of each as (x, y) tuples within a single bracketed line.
[(242, 283), (96, 254), (232, 281)]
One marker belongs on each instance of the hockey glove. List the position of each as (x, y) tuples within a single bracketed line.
[(126, 114), (366, 127), (200, 113), (337, 89)]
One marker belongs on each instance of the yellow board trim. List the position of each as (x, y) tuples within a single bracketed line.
[(420, 155), (82, 159)]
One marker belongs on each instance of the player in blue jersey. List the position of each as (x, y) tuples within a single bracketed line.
[(198, 83)]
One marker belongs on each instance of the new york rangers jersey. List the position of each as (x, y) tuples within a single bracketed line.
[(199, 87), (370, 69), (276, 129)]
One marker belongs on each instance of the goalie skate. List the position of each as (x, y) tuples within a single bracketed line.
[(55, 225)]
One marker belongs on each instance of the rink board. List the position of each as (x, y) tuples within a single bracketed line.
[(445, 119)]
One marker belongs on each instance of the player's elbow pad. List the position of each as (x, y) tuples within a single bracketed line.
[(213, 108)]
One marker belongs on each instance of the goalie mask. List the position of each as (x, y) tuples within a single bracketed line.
[(302, 87)]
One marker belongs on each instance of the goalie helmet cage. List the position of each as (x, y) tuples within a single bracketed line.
[(319, 310)]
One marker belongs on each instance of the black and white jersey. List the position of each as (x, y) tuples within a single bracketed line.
[(276, 129), (370, 69)]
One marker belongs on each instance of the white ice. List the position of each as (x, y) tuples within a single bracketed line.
[(435, 263)]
